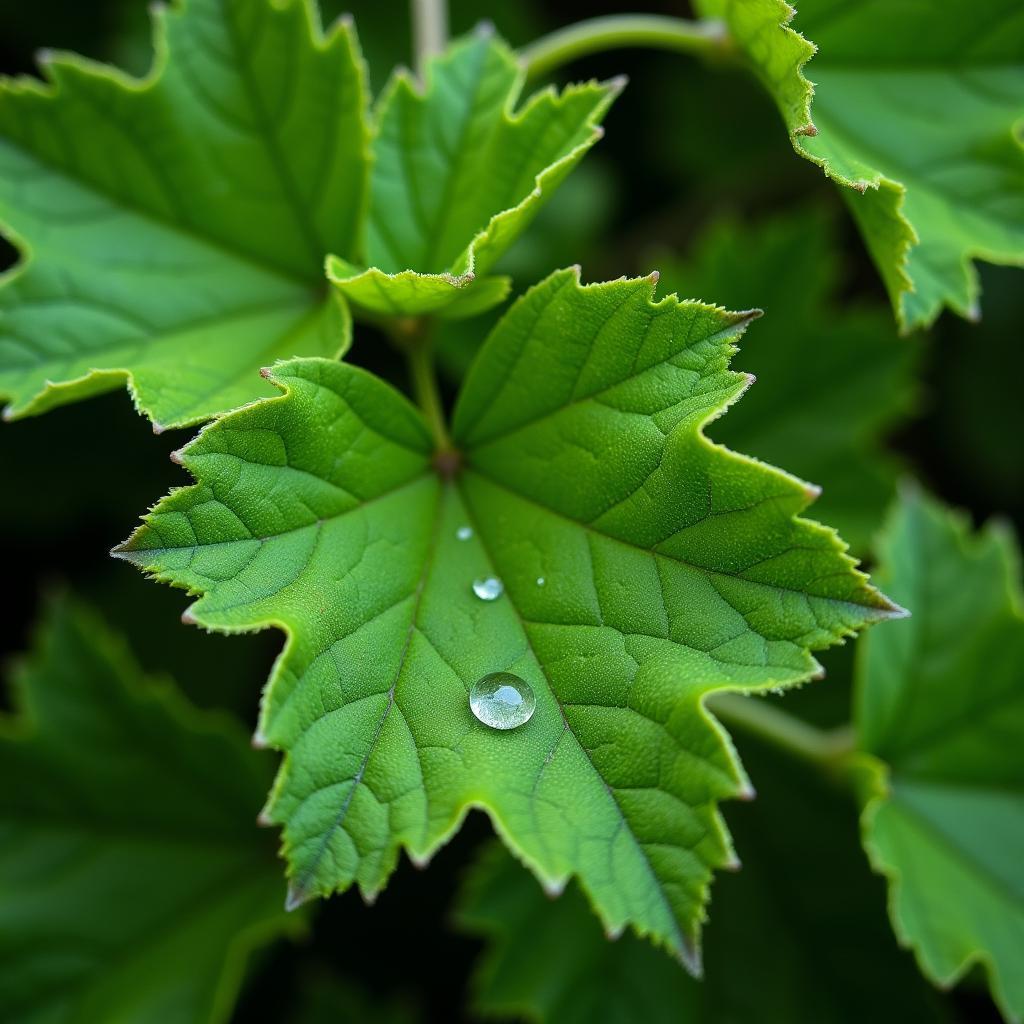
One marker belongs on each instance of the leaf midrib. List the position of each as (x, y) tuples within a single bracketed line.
[(308, 874), (191, 231), (958, 852), (659, 554), (680, 943)]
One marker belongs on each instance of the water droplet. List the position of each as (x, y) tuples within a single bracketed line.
[(502, 700), (488, 588), (464, 532), (541, 581)]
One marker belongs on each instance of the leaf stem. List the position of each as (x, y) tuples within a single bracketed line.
[(417, 345), (429, 32), (826, 748), (615, 31)]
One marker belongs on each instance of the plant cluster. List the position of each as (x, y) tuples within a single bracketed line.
[(545, 583)]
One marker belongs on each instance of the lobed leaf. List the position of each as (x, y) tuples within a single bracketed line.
[(174, 228), (134, 880), (940, 711), (798, 935), (458, 175), (643, 568), (919, 112)]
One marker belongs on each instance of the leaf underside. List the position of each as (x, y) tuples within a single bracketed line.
[(941, 711), (128, 842), (643, 569)]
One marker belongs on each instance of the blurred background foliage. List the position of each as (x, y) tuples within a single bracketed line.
[(695, 178)]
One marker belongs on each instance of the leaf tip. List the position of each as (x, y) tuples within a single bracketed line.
[(263, 819), (613, 932), (259, 740), (176, 457), (553, 887), (891, 610), (295, 897), (188, 619), (732, 864), (688, 954), (484, 29), (654, 276), (617, 84), (420, 861), (746, 792), (158, 428), (266, 372)]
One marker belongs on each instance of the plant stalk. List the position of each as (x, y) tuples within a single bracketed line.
[(419, 354), (616, 31), (826, 748), (429, 32)]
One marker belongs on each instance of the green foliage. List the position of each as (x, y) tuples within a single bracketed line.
[(571, 516), (175, 228), (458, 176), (831, 379), (917, 108), (134, 880), (941, 710), (643, 568), (798, 935)]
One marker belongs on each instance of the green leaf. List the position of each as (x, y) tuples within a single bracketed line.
[(134, 880), (457, 177), (918, 110), (643, 568), (174, 229), (830, 379), (941, 707), (797, 936)]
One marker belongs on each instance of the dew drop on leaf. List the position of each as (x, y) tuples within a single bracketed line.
[(464, 532), (488, 588), (502, 700), (540, 581)]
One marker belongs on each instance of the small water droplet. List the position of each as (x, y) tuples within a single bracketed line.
[(464, 532), (502, 700), (488, 588), (541, 581)]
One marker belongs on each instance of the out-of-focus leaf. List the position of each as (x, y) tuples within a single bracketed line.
[(917, 107), (940, 709), (133, 879)]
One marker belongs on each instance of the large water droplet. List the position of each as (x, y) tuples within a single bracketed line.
[(488, 588), (464, 532), (541, 581), (502, 700)]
